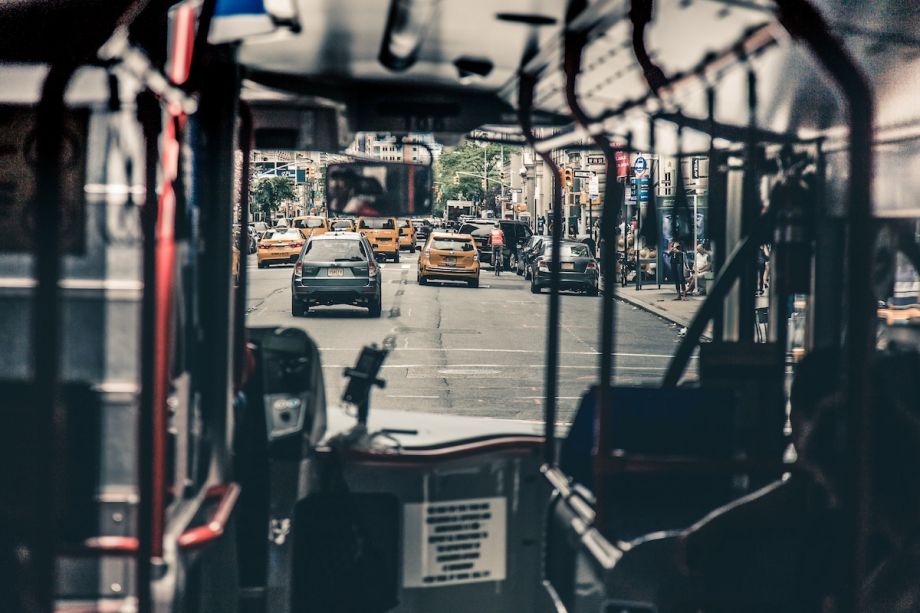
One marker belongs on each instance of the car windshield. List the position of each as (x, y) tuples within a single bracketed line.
[(341, 225), (402, 223), (377, 224), (309, 222), (451, 244), (334, 250)]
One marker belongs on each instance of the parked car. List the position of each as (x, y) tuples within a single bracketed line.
[(336, 268), (525, 253), (578, 268)]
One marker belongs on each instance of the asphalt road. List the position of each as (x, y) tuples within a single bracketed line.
[(468, 351)]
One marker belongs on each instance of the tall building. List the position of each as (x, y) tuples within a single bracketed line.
[(386, 147)]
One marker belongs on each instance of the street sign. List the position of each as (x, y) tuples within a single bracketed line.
[(516, 190), (595, 160), (594, 188), (584, 174)]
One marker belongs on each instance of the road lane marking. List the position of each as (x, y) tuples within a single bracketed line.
[(483, 350), (411, 396), (468, 371), (572, 366)]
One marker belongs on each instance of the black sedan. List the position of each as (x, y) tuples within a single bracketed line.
[(336, 268), (578, 268)]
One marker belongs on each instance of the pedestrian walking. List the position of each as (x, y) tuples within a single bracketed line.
[(678, 270), (592, 246)]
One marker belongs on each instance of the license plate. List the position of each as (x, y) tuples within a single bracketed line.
[(568, 266), (450, 261), (335, 272)]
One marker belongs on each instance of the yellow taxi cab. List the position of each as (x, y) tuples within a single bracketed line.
[(382, 234), (407, 236), (279, 246), (310, 225), (449, 257), (341, 224)]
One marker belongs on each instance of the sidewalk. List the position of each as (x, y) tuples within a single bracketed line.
[(661, 302)]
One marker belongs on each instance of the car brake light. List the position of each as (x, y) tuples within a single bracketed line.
[(372, 269), (592, 265), (297, 244), (298, 268), (541, 263)]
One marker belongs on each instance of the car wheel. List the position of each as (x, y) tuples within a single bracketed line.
[(396, 256), (533, 287), (412, 248), (298, 308), (376, 308), (592, 291), (263, 265), (473, 283)]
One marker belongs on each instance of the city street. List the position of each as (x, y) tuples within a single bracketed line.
[(467, 351)]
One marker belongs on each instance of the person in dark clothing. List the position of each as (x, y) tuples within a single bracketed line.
[(591, 245), (678, 266), (762, 258)]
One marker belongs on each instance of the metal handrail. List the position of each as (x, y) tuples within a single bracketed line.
[(527, 85), (802, 20)]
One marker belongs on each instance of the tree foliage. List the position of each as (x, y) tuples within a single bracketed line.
[(470, 157), (271, 193)]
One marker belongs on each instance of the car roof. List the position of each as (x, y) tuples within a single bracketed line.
[(337, 235), (451, 235)]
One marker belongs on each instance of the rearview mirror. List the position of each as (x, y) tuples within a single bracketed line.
[(378, 189)]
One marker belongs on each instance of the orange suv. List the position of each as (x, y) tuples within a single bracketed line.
[(449, 257), (382, 234)]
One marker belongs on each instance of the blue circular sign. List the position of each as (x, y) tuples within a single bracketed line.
[(640, 166)]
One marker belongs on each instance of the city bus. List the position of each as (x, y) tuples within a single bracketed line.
[(172, 439)]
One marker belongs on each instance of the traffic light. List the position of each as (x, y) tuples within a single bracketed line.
[(568, 177), (456, 179), (311, 172)]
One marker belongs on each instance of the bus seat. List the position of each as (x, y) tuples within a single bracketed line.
[(772, 550), (668, 425)]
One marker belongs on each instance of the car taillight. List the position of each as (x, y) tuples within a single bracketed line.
[(372, 269), (542, 264), (592, 266), (298, 268), (297, 244)]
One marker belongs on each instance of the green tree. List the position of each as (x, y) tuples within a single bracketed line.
[(470, 157), (270, 193)]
